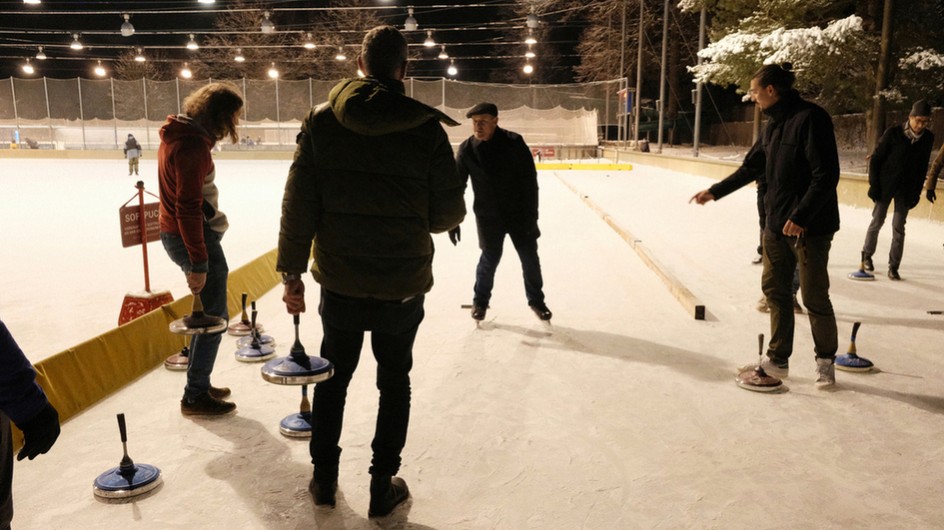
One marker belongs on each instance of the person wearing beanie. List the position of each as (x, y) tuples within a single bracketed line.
[(132, 153), (505, 184), (897, 172)]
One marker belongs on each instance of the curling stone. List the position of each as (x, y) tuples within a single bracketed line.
[(197, 322), (244, 326), (756, 379), (255, 334), (298, 425), (850, 362), (298, 368), (862, 275), (255, 351), (179, 361), (128, 479)]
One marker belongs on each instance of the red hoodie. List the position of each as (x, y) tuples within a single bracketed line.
[(188, 195)]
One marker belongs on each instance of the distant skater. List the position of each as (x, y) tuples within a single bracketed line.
[(796, 166), (897, 172), (132, 153)]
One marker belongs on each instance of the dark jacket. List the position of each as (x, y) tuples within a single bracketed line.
[(897, 166), (373, 176), (21, 399), (796, 165), (936, 169), (189, 197), (132, 143), (504, 180)]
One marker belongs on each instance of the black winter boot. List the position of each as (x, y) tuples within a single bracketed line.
[(386, 493), (323, 492)]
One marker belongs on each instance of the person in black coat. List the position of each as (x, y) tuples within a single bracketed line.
[(896, 172), (132, 153), (796, 165), (505, 184)]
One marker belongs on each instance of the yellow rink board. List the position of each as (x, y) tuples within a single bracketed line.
[(579, 166)]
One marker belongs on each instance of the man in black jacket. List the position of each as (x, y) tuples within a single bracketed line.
[(505, 184), (896, 171), (796, 165)]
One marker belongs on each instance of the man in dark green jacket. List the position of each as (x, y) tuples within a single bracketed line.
[(896, 172), (373, 177), (796, 165)]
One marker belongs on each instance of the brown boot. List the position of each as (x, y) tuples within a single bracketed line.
[(219, 393), (386, 493), (205, 405)]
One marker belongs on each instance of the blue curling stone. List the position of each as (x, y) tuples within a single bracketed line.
[(285, 371), (242, 342), (249, 354), (113, 484), (861, 275), (853, 363), (296, 425)]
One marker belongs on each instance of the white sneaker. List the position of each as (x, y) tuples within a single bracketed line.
[(825, 373), (781, 371)]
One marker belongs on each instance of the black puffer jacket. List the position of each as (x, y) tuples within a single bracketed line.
[(897, 166), (504, 180), (373, 176), (796, 165)]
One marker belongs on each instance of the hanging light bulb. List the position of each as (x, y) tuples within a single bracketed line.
[(532, 21), (192, 43), (410, 23), (28, 68), (99, 69), (206, 1), (139, 56), (429, 42), (340, 56), (452, 70), (76, 45), (31, 1), (442, 53), (267, 25), (309, 42), (527, 68), (530, 53), (41, 55), (273, 73), (185, 71), (127, 29), (530, 38), (239, 56)]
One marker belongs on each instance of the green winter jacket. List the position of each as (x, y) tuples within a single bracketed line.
[(373, 176)]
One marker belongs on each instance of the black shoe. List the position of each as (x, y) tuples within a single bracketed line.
[(541, 311), (893, 274), (219, 393), (867, 264), (478, 312), (205, 405), (386, 493), (323, 493)]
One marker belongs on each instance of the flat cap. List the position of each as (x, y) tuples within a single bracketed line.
[(483, 108)]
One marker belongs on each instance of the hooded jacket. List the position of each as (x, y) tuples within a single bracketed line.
[(373, 176), (189, 197), (897, 166), (796, 165)]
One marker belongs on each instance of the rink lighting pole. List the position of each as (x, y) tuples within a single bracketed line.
[(642, 7), (698, 88), (665, 45)]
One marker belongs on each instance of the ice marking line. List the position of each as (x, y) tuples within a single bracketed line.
[(681, 293)]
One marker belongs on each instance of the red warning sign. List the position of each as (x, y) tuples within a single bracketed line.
[(131, 224)]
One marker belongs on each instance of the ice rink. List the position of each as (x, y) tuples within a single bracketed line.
[(623, 414)]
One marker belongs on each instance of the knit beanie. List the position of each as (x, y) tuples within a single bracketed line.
[(921, 108)]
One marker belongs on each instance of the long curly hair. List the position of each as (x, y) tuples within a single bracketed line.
[(215, 106)]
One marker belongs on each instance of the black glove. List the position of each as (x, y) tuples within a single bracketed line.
[(931, 195), (39, 433), (874, 193), (455, 235)]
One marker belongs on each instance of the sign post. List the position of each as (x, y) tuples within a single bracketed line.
[(139, 225)]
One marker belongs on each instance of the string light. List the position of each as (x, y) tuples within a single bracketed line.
[(28, 68), (442, 53), (530, 38), (429, 42), (99, 69), (452, 70), (340, 56), (309, 42), (139, 56), (528, 68), (267, 25), (185, 71), (410, 23), (532, 21), (127, 29), (76, 45), (192, 43), (273, 73), (41, 55), (239, 58)]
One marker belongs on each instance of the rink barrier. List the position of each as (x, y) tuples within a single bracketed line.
[(685, 297), (79, 377), (567, 166)]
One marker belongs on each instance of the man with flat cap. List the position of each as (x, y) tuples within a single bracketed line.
[(505, 184), (896, 171)]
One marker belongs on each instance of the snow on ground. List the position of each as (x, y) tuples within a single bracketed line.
[(622, 414)]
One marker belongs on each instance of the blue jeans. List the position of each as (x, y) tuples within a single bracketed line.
[(491, 241), (879, 212), (393, 326), (203, 348)]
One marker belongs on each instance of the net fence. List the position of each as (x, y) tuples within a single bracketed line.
[(96, 114)]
